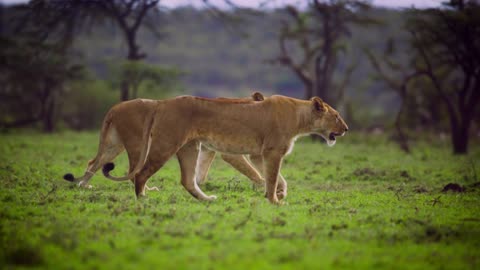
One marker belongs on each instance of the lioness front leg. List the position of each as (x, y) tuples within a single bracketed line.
[(281, 187), (242, 165), (187, 157), (272, 161), (257, 160)]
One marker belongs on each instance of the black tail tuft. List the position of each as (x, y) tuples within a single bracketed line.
[(69, 177), (107, 168)]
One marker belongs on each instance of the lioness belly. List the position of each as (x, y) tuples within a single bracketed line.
[(230, 146)]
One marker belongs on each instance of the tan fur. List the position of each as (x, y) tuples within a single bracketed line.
[(264, 130), (123, 127)]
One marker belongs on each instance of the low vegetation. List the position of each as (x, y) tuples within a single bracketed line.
[(362, 204)]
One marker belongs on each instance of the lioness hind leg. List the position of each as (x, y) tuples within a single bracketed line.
[(133, 159), (159, 155), (111, 151), (187, 157), (151, 188), (150, 168), (163, 147), (241, 163), (205, 159), (109, 147)]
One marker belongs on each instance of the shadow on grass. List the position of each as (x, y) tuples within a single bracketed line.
[(20, 253)]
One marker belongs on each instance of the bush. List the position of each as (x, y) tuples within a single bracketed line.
[(86, 103)]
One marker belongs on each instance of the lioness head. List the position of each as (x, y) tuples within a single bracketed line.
[(327, 122)]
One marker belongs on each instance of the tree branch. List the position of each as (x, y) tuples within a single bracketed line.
[(287, 60), (429, 72), (145, 7)]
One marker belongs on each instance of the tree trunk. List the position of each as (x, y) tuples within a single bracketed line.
[(308, 90), (124, 90), (46, 100), (134, 90), (49, 116), (320, 86), (133, 55), (48, 123), (402, 138), (460, 135), (460, 142)]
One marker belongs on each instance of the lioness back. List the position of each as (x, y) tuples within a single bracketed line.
[(233, 127)]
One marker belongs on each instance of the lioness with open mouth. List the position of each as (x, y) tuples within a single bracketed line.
[(131, 116), (264, 130)]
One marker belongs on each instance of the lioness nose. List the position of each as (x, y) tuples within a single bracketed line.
[(346, 129)]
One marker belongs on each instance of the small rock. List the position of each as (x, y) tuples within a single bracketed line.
[(420, 189), (337, 227), (453, 187), (404, 174)]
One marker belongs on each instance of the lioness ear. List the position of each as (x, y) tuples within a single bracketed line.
[(318, 104), (257, 96)]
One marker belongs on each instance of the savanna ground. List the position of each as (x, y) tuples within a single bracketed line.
[(362, 204)]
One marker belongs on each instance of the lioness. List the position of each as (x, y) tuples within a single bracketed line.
[(264, 130), (131, 117)]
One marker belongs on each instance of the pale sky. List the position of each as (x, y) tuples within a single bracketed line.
[(276, 3)]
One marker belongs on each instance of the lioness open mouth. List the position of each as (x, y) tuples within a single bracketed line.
[(333, 135), (332, 138)]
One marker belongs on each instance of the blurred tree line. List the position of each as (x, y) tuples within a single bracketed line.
[(41, 68), (66, 62)]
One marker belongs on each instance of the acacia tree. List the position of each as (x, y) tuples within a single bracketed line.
[(32, 82), (36, 53), (397, 83), (447, 44), (399, 78), (139, 74), (130, 15), (67, 18), (35, 64), (317, 34)]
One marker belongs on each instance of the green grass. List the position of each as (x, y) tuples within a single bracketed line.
[(362, 204)]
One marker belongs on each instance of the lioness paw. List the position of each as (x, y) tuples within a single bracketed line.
[(277, 202), (85, 185), (211, 198), (152, 188), (281, 195)]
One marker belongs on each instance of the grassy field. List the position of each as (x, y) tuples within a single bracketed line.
[(362, 204)]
